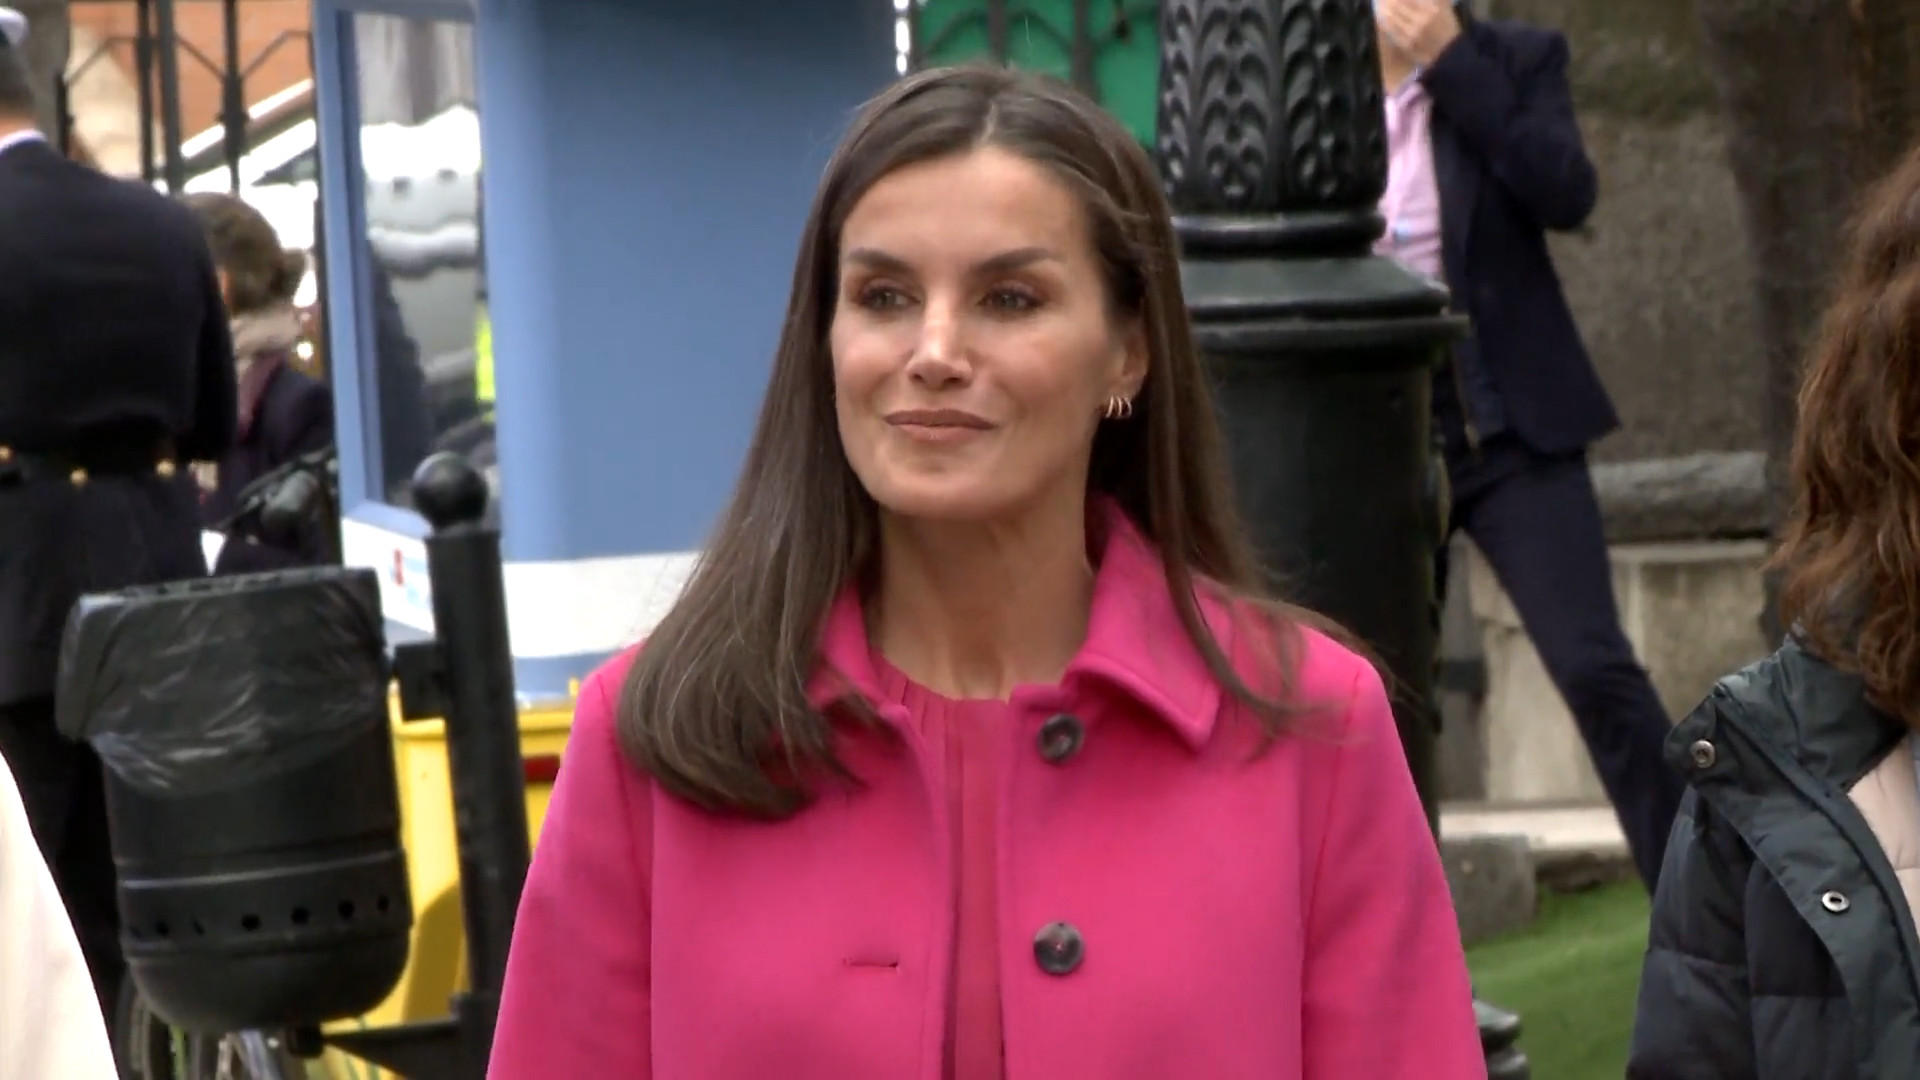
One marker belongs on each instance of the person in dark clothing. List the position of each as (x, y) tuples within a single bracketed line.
[(1485, 156), (116, 371), (283, 414), (1782, 945)]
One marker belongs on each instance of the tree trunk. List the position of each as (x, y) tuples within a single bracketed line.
[(1819, 100), (48, 31)]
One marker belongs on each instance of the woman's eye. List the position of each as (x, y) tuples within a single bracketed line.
[(1011, 300), (882, 298)]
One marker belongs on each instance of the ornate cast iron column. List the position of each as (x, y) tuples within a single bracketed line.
[(1270, 110), (1272, 145), (1271, 140)]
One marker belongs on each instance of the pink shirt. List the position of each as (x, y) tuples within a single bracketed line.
[(1411, 204), (974, 736)]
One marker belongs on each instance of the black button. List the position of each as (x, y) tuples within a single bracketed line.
[(1060, 738), (1058, 948)]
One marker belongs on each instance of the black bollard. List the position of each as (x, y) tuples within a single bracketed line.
[(1271, 142), (483, 731)]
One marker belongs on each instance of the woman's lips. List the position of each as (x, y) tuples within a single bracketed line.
[(940, 427)]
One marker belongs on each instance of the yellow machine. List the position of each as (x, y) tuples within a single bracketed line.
[(437, 961)]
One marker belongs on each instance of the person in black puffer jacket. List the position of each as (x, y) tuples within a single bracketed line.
[(284, 414), (1783, 945)]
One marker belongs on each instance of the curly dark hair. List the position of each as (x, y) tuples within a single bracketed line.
[(260, 273), (1850, 554)]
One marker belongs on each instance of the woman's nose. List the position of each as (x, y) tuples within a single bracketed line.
[(940, 354)]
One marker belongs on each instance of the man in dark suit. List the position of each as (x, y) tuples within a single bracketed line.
[(1486, 157), (116, 370)]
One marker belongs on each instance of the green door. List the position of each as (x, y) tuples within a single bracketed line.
[(1108, 48)]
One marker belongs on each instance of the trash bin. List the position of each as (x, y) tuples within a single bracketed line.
[(251, 793)]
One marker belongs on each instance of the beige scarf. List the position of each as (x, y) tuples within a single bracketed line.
[(260, 333), (269, 330)]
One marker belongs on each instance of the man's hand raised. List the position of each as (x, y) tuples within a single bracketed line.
[(1421, 28)]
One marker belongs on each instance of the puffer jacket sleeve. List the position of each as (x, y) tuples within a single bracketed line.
[(1694, 1020)]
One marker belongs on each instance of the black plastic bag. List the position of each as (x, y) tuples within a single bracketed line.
[(200, 686)]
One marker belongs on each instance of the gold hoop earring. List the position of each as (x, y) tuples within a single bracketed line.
[(1118, 408)]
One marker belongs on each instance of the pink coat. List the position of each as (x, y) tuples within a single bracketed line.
[(1242, 917)]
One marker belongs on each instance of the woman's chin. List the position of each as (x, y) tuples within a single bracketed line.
[(947, 498)]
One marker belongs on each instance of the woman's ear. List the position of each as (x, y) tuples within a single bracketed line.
[(226, 286)]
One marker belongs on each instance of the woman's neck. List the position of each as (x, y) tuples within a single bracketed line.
[(974, 611)]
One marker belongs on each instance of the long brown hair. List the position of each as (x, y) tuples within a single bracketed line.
[(1850, 555), (715, 707)]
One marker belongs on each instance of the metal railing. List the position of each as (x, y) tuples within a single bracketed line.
[(157, 49)]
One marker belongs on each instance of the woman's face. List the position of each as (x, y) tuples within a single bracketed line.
[(974, 346)]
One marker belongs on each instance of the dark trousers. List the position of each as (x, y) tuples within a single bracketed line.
[(1537, 521), (63, 787)]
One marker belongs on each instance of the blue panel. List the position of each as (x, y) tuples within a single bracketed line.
[(523, 281), (335, 119), (649, 168)]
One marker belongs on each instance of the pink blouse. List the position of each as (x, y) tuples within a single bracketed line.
[(974, 735)]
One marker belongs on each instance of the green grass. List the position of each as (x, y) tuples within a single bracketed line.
[(1572, 977)]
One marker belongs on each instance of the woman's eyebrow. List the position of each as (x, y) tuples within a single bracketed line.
[(875, 259)]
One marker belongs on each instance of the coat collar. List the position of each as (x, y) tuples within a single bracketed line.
[(25, 137), (1801, 709), (1457, 172), (1136, 646), (27, 147)]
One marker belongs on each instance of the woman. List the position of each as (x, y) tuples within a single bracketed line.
[(1783, 943), (972, 748), (284, 414), (50, 1022)]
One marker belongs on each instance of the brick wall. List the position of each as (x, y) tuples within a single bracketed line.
[(200, 28)]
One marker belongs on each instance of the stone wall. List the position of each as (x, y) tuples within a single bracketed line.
[(1686, 559), (1687, 608), (1659, 280)]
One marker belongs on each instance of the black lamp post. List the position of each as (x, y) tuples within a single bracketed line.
[(1271, 141)]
